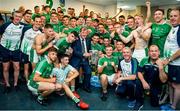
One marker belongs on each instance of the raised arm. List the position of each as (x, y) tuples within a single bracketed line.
[(39, 49), (146, 34), (148, 5), (101, 67), (83, 10), (120, 10), (127, 39), (162, 74)]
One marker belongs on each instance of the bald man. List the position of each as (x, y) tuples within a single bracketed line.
[(151, 76)]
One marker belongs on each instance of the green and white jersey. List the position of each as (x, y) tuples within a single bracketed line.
[(11, 35), (44, 69), (128, 29), (28, 40), (128, 68), (171, 45), (61, 73), (159, 35), (109, 69), (62, 45)]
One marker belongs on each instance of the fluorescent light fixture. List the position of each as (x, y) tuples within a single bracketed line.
[(125, 7), (178, 0)]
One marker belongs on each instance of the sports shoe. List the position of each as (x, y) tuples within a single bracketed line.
[(138, 106), (166, 107), (131, 104), (42, 102), (76, 94), (83, 105), (104, 96)]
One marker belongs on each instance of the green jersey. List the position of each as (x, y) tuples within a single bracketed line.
[(118, 55), (106, 27), (44, 69), (93, 31), (56, 27), (62, 45), (104, 35), (96, 47), (78, 28), (71, 29), (62, 28), (104, 48), (48, 16), (44, 44), (124, 33), (159, 35), (109, 69), (128, 29), (34, 15)]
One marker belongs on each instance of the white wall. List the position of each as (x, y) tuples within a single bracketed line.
[(78, 6), (111, 9), (166, 7), (9, 5)]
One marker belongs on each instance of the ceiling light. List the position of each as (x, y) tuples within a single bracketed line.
[(125, 7)]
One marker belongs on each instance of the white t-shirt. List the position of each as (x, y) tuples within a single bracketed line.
[(28, 40), (12, 36), (126, 68), (171, 45)]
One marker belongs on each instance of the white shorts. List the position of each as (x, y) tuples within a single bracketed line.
[(33, 90), (110, 79), (139, 54)]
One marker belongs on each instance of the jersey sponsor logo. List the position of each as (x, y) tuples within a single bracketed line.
[(13, 33)]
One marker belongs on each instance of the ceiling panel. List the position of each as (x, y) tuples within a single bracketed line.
[(132, 2), (100, 2)]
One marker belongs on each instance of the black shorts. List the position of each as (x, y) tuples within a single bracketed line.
[(174, 73), (24, 58), (8, 55)]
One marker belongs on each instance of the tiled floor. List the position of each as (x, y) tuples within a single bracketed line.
[(23, 100)]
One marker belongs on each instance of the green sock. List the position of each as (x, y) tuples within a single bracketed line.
[(40, 97), (72, 88), (75, 99)]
